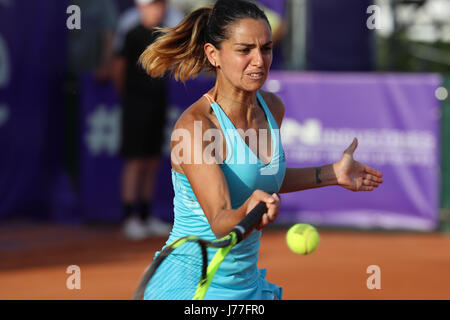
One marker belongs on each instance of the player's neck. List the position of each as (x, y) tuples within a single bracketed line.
[(235, 102)]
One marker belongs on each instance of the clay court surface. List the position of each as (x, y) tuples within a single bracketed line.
[(34, 259)]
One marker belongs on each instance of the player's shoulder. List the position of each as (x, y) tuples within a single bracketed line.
[(198, 112), (275, 105)]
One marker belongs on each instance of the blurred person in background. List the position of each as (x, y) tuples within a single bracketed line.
[(90, 50), (144, 104), (131, 17)]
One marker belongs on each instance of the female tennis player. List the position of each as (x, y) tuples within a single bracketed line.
[(233, 39)]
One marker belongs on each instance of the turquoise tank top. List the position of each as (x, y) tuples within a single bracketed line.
[(238, 277)]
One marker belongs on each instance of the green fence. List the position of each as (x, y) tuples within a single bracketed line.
[(445, 160)]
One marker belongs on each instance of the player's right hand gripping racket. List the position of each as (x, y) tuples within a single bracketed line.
[(176, 279)]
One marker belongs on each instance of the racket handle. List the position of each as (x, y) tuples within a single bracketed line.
[(250, 220)]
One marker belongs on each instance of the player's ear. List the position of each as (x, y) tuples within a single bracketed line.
[(212, 54)]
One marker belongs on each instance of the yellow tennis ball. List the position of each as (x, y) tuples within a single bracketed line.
[(302, 238)]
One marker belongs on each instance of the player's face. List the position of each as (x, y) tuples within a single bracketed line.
[(245, 58)]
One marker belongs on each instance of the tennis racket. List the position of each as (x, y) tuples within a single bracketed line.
[(181, 270)]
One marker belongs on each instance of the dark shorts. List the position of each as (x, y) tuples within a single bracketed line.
[(143, 122)]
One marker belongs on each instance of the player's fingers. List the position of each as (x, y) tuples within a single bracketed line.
[(351, 149), (272, 204), (262, 196), (374, 172), (263, 222), (276, 197), (257, 197), (366, 188), (274, 208), (367, 182), (371, 177), (272, 214)]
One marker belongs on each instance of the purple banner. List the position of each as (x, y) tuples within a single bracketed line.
[(396, 120), (32, 62), (100, 164)]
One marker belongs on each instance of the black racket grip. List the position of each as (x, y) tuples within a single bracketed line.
[(250, 220)]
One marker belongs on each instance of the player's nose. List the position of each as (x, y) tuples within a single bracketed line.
[(257, 58)]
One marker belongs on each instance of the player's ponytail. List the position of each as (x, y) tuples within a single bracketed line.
[(181, 49)]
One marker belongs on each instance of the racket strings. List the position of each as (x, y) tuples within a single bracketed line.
[(178, 275)]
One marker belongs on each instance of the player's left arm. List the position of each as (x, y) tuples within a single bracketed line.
[(347, 172)]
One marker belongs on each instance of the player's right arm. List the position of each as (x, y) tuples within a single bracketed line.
[(207, 179)]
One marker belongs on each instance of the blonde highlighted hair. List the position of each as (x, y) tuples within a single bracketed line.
[(180, 49)]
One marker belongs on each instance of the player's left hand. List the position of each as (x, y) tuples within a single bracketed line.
[(354, 175)]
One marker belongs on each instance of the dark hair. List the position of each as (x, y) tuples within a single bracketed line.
[(180, 49), (227, 12)]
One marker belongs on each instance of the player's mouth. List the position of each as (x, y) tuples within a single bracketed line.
[(256, 75)]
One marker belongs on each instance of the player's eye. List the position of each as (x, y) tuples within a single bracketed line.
[(246, 50)]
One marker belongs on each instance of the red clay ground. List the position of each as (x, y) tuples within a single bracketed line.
[(34, 259)]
